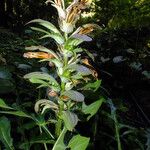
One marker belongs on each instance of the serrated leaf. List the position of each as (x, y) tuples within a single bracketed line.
[(70, 119), (92, 108), (78, 142), (74, 95), (5, 136), (4, 105)]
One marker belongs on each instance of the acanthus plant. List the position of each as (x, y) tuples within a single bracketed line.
[(72, 75)]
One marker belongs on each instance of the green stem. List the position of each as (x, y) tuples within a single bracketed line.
[(117, 132), (62, 87), (45, 146), (60, 139), (58, 127)]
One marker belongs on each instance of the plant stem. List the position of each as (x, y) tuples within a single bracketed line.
[(113, 114), (45, 146), (117, 132), (58, 127)]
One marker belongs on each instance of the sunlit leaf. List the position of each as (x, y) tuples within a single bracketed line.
[(4, 105), (70, 119), (78, 142), (42, 76), (45, 104), (74, 95), (92, 86), (39, 29), (59, 39), (46, 24), (80, 69), (92, 108), (5, 136)]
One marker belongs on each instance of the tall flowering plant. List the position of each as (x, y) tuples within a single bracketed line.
[(72, 76)]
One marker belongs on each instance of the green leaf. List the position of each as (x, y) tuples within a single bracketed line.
[(80, 69), (39, 29), (41, 76), (74, 95), (92, 86), (40, 121), (4, 105), (73, 42), (92, 108), (59, 144), (5, 136), (16, 113), (70, 120), (45, 24), (78, 142), (89, 54), (46, 104), (58, 38)]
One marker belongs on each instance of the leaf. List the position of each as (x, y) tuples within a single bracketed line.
[(89, 54), (70, 120), (45, 104), (5, 73), (16, 113), (82, 37), (5, 136), (73, 42), (43, 49), (59, 144), (80, 69), (92, 108), (74, 95), (59, 39), (39, 29), (40, 121), (4, 105), (46, 24), (78, 142), (41, 76), (92, 86)]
